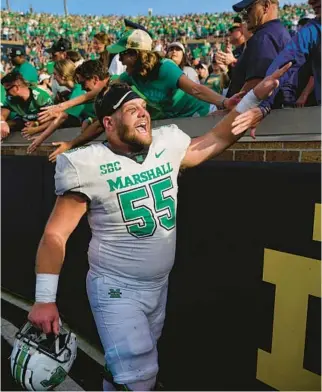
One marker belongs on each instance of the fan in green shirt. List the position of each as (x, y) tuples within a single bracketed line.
[(164, 98), (3, 102), (168, 92), (24, 101), (29, 108), (64, 73), (28, 71)]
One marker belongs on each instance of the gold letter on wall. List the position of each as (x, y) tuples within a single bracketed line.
[(296, 278)]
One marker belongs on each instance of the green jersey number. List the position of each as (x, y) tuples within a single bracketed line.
[(164, 209)]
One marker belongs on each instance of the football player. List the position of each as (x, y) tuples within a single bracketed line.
[(128, 188)]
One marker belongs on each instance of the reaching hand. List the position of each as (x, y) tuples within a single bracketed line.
[(266, 87), (5, 129), (63, 146), (29, 131), (251, 118), (85, 124), (35, 144), (30, 124), (234, 100), (45, 316), (49, 113), (302, 99)]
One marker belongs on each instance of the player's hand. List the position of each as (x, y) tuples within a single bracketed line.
[(248, 120), (234, 100), (63, 146), (48, 113), (5, 129), (45, 316), (266, 87)]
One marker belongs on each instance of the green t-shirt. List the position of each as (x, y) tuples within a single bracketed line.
[(28, 72), (3, 95), (3, 102), (213, 82), (38, 98), (164, 98), (50, 67), (205, 50), (76, 111), (89, 111), (196, 53)]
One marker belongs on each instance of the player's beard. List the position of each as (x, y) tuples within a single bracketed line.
[(130, 136)]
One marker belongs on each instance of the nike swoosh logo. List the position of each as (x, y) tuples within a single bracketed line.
[(160, 153)]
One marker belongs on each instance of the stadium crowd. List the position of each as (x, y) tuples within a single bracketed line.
[(190, 65)]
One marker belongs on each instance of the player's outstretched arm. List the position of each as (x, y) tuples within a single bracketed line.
[(221, 137), (90, 133), (63, 220)]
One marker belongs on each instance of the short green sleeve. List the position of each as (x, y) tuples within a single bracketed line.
[(76, 111), (28, 72), (170, 73), (125, 78)]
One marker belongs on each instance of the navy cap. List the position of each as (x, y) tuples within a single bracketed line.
[(62, 45), (135, 26), (14, 52), (242, 5)]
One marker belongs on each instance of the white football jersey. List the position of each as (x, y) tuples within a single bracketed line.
[(132, 208)]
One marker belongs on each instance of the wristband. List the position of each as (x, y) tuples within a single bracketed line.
[(46, 287), (265, 110), (249, 101), (221, 105)]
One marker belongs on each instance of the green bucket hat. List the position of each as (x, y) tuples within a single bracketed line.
[(132, 39)]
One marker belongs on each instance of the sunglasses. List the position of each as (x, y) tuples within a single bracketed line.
[(174, 49), (245, 12), (126, 52), (9, 88)]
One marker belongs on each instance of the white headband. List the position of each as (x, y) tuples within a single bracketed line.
[(121, 100)]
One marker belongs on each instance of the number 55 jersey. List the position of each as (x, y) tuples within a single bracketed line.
[(132, 204)]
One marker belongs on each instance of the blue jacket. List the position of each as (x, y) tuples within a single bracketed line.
[(304, 46)]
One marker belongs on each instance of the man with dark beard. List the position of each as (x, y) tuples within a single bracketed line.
[(128, 187)]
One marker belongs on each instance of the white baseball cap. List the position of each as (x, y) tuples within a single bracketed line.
[(43, 77), (178, 44)]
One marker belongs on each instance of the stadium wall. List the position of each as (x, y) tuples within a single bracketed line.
[(288, 135), (244, 304)]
